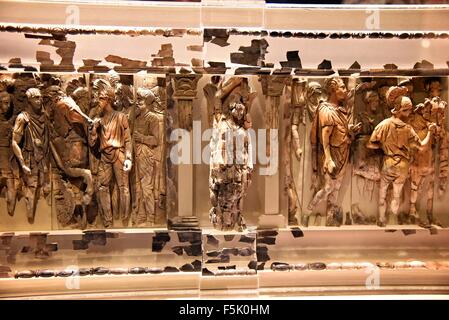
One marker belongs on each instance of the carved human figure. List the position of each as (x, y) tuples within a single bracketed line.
[(314, 97), (231, 157), (7, 162), (213, 103), (331, 137), (72, 180), (146, 139), (367, 161), (31, 132), (110, 134), (438, 116), (422, 167), (397, 139), (293, 145)]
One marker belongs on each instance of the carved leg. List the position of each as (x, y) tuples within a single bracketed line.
[(416, 185), (104, 196), (333, 209), (115, 199), (147, 205), (430, 197), (292, 205), (397, 191), (122, 179), (319, 196), (384, 184), (31, 192), (11, 195)]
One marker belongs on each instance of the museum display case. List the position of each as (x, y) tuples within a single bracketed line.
[(166, 150)]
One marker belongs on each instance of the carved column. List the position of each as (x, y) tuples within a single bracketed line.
[(272, 88), (184, 92)]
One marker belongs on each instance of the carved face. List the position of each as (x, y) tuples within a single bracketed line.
[(103, 102), (35, 102), (372, 101), (383, 93), (406, 109), (20, 90), (340, 90), (5, 101), (314, 93), (437, 112), (426, 111), (434, 89), (238, 112)]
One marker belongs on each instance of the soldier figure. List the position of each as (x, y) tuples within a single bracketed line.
[(7, 160), (396, 138), (30, 127), (331, 138), (110, 134)]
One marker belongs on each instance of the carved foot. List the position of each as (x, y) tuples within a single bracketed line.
[(433, 221), (381, 223), (293, 221), (332, 222), (305, 220)]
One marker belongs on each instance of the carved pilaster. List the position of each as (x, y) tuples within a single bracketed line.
[(184, 86)]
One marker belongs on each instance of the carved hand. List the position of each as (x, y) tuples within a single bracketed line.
[(95, 124), (26, 169), (329, 165), (354, 129), (127, 165), (432, 127), (298, 154)]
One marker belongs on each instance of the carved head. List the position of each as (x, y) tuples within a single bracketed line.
[(438, 111), (407, 84), (336, 90), (105, 95), (383, 93), (371, 100), (433, 87), (424, 109), (314, 93), (34, 98), (400, 104), (81, 97), (5, 102), (145, 98), (123, 97), (20, 88)]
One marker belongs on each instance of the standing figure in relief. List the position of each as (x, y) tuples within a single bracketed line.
[(293, 145), (396, 138), (110, 134), (8, 165), (366, 161), (331, 138), (146, 139), (231, 157), (30, 131)]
